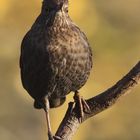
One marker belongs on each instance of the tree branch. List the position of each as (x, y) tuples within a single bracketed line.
[(97, 104)]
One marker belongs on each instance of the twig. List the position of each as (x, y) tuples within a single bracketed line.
[(97, 104)]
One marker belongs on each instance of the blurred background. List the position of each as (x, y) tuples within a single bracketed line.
[(113, 30)]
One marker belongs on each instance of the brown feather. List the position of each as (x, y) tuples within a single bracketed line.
[(55, 56)]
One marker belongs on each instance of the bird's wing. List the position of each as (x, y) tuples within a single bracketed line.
[(34, 64)]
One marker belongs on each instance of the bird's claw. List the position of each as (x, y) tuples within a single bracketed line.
[(82, 106), (86, 107), (51, 137), (57, 138)]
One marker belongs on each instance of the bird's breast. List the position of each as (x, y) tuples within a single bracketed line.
[(70, 58)]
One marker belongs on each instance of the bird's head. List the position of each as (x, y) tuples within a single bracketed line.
[(56, 5), (56, 12)]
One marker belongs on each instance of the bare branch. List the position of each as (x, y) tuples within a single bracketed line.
[(97, 104)]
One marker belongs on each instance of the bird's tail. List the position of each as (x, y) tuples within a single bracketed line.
[(56, 102)]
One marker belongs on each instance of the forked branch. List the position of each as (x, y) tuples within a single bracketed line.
[(97, 104)]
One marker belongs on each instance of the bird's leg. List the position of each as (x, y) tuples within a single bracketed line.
[(50, 135), (47, 106), (82, 106)]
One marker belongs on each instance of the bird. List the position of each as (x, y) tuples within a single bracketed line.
[(55, 59)]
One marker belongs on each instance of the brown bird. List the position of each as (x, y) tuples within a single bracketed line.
[(55, 58)]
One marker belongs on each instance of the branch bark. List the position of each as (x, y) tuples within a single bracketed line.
[(97, 104)]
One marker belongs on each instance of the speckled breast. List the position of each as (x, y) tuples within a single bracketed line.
[(70, 59), (54, 62)]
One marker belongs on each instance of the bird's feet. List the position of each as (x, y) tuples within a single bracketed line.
[(51, 137), (81, 105)]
